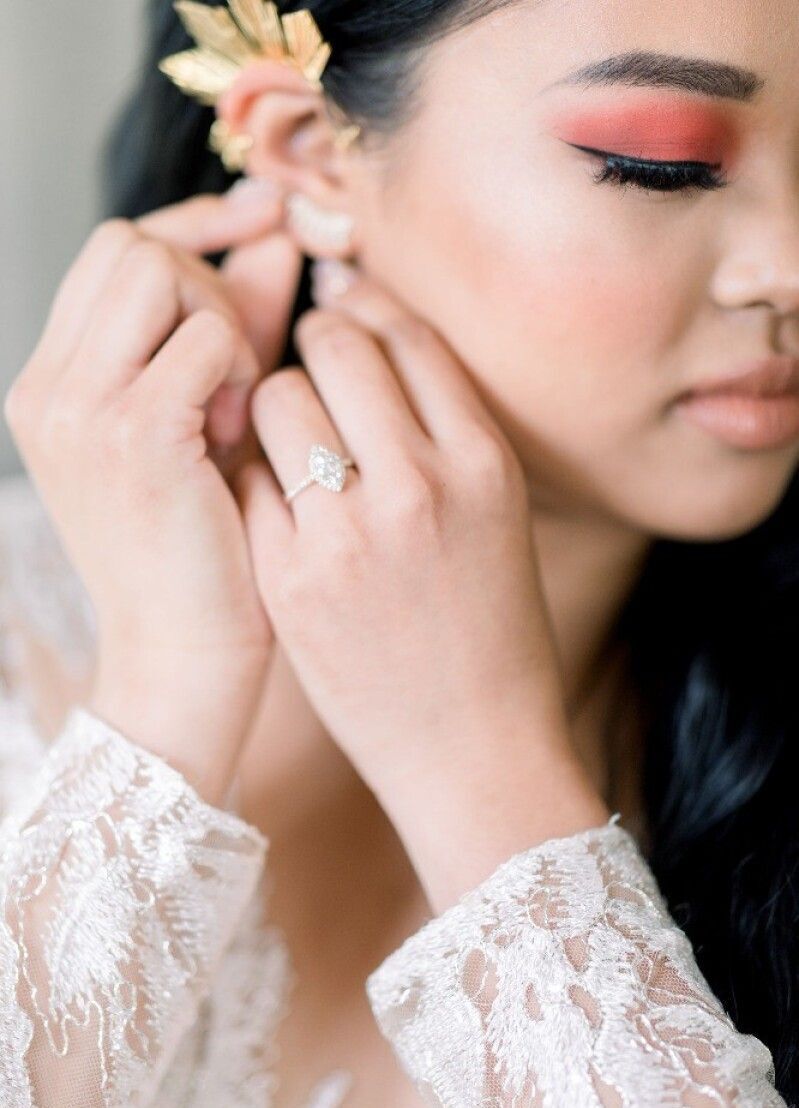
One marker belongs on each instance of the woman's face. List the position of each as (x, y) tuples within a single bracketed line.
[(581, 309)]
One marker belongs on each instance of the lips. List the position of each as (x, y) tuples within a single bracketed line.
[(756, 408), (773, 376)]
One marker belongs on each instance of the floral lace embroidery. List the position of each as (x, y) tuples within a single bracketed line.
[(228, 1057), (136, 968), (563, 981), (227, 1054), (121, 888)]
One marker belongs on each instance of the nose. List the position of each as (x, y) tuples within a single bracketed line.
[(761, 264)]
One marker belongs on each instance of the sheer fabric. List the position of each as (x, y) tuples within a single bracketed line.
[(137, 967), (563, 980)]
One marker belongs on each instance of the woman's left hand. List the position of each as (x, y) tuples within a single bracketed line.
[(410, 604)]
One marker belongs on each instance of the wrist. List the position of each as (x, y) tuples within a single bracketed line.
[(194, 716), (457, 827)]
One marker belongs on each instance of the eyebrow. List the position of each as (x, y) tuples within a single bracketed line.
[(646, 67)]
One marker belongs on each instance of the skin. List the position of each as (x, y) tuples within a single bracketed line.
[(669, 290), (661, 287), (547, 321)]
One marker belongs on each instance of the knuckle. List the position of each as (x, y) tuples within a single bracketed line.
[(18, 402), (409, 330), (288, 381), (151, 252), (147, 271), (417, 499), (344, 549), (113, 232), (123, 431), (149, 260), (312, 320), (335, 331), (489, 464), (214, 327), (486, 454), (58, 425)]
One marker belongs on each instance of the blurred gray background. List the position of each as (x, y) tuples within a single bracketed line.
[(65, 66)]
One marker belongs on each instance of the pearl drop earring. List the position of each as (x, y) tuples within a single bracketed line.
[(314, 224)]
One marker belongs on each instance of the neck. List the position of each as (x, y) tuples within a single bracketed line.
[(589, 567)]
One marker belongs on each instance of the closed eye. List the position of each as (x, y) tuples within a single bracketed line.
[(682, 176)]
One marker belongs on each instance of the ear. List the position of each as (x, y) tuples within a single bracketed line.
[(294, 144)]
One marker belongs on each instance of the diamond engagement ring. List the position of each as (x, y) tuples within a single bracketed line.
[(325, 468)]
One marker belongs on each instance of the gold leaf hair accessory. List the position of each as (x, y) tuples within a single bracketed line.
[(227, 39)]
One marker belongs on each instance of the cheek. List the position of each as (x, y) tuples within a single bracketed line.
[(578, 292), (577, 310), (559, 295)]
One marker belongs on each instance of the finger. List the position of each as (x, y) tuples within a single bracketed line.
[(290, 418), (434, 378), (231, 458), (77, 295), (268, 523), (359, 388), (262, 278), (204, 354), (208, 223), (151, 292), (262, 266)]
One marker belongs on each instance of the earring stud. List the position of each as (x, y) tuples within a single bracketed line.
[(332, 230)]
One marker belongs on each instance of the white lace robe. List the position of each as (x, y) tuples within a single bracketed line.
[(135, 971)]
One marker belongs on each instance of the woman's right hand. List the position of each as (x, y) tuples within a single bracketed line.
[(111, 417)]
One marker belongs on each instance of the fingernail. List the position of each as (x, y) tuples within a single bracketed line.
[(331, 278), (252, 190)]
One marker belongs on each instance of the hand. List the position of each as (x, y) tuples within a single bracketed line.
[(258, 276), (410, 605), (112, 415)]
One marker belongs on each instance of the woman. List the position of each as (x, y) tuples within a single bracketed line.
[(511, 709)]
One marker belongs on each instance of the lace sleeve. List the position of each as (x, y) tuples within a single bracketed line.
[(562, 981), (120, 887)]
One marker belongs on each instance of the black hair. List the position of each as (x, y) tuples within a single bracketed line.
[(711, 627)]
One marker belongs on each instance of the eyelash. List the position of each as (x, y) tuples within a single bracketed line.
[(685, 177)]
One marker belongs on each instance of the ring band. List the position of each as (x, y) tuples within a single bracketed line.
[(325, 468)]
